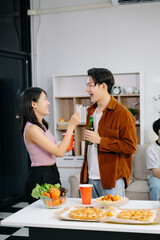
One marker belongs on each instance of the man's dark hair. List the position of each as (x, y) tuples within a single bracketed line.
[(156, 126), (102, 75)]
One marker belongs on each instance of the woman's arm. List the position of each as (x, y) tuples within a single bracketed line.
[(34, 135)]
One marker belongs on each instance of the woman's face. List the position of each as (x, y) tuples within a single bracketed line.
[(41, 107)]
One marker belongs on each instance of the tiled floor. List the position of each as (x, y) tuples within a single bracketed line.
[(13, 233)]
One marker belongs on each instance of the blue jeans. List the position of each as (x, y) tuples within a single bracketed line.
[(98, 190), (154, 188)]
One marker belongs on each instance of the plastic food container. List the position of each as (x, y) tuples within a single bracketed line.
[(53, 202)]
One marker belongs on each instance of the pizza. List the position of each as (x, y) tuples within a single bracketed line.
[(87, 213), (138, 215)]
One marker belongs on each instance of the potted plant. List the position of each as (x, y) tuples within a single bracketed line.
[(156, 102), (133, 111)]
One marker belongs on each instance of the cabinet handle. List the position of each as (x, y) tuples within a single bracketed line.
[(68, 158)]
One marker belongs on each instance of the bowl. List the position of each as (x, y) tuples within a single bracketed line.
[(53, 202)]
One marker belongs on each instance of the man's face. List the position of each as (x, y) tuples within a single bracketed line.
[(94, 91)]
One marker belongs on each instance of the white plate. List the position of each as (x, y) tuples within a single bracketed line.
[(66, 216), (111, 203), (115, 219)]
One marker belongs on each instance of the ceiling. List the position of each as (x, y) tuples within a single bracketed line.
[(57, 6)]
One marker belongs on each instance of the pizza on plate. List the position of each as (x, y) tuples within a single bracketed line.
[(87, 213), (139, 215)]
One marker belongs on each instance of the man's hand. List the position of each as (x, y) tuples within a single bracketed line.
[(92, 136), (156, 172)]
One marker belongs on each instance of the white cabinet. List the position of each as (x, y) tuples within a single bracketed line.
[(67, 166)]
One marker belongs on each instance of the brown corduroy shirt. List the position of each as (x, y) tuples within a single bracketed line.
[(118, 142)]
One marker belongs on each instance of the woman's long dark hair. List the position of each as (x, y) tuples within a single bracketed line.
[(26, 111)]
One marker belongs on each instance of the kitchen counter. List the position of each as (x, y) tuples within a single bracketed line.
[(41, 220)]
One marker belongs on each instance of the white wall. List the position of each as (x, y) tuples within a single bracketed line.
[(122, 39)]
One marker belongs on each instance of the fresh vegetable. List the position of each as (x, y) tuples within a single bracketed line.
[(37, 191), (56, 202), (46, 194), (62, 200), (48, 203), (45, 191), (63, 191), (48, 186), (54, 193), (57, 185)]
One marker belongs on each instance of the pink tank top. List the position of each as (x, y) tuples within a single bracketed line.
[(39, 156)]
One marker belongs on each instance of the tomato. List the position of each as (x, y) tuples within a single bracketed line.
[(56, 202), (62, 200), (54, 193)]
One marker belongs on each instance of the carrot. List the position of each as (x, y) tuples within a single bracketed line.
[(46, 194), (50, 204), (47, 203)]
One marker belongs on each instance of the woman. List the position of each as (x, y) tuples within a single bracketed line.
[(39, 141)]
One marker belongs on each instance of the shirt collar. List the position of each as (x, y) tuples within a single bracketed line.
[(111, 105)]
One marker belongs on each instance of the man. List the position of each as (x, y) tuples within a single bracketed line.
[(153, 164), (108, 161)]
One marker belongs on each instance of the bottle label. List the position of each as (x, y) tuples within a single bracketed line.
[(91, 128)]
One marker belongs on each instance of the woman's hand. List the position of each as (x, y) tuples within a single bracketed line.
[(75, 119), (92, 136)]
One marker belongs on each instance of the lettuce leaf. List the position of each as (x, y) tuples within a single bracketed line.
[(35, 192), (38, 190)]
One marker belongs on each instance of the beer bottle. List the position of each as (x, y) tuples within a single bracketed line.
[(90, 127)]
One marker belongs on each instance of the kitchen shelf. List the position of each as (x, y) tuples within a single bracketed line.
[(70, 90)]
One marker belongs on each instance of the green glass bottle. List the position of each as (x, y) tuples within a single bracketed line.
[(90, 127)]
